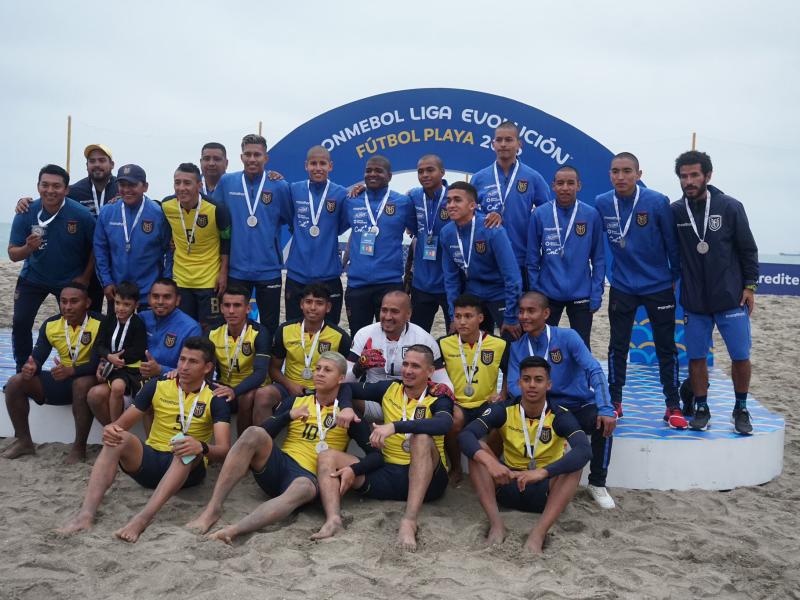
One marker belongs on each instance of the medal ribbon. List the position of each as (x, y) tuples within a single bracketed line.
[(508, 189), (372, 218), (321, 431), (315, 215), (307, 357), (252, 208), (531, 452), (135, 221), (546, 350), (50, 220), (705, 218), (186, 422), (228, 359), (623, 232), (428, 227), (569, 227), (190, 237), (73, 354), (101, 203), (466, 257), (470, 373), (118, 346)]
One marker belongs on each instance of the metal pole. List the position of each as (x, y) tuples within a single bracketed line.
[(259, 127), (69, 139), (694, 140)]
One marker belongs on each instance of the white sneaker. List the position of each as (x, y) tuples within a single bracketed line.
[(601, 496)]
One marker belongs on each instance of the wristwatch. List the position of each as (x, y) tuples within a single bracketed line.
[(751, 286), (205, 448)]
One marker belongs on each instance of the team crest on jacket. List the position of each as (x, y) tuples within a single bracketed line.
[(247, 348), (72, 227), (329, 422), (546, 435), (522, 186), (199, 409), (86, 338), (714, 222), (556, 356), (390, 209), (170, 339), (419, 412), (487, 356), (202, 220), (480, 246), (641, 219), (330, 205), (580, 228), (266, 197), (147, 226), (324, 347), (443, 215)]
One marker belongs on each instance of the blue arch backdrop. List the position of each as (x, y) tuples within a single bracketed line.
[(458, 125)]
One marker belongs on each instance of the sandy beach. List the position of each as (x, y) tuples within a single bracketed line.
[(737, 544)]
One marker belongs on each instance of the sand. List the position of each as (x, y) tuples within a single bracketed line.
[(737, 544)]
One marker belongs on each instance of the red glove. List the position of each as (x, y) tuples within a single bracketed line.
[(371, 357), (441, 389)]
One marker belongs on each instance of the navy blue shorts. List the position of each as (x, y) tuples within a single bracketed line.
[(279, 472), (470, 414), (56, 393), (533, 499), (390, 482), (155, 464), (733, 325)]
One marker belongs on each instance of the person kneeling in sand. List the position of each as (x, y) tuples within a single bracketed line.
[(176, 451), (535, 475), (412, 443), (316, 421)]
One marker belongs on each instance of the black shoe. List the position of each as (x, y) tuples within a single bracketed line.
[(687, 397), (701, 419), (741, 421)]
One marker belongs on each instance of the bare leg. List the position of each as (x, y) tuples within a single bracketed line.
[(562, 489), (83, 418), (485, 488), (698, 374), (424, 459), (98, 401), (129, 454), (18, 390), (244, 416), (251, 450), (740, 373), (116, 400), (170, 484), (264, 403), (329, 490), (452, 448), (301, 491)]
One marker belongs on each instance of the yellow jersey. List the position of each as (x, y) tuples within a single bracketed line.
[(493, 358), (234, 366), (163, 397), (52, 334), (197, 246), (287, 346)]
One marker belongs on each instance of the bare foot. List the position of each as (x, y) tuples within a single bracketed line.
[(76, 454), (329, 529), (80, 522), (226, 535), (407, 535), (19, 448), (204, 522), (456, 476), (535, 542), (132, 531), (496, 535)]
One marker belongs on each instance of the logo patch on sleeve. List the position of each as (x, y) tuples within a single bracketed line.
[(147, 226), (715, 222), (580, 229), (72, 227), (202, 220), (480, 246), (546, 435), (522, 186), (641, 219), (555, 356), (247, 348), (266, 197), (86, 338), (487, 357), (170, 339), (419, 412), (199, 409), (330, 205), (390, 209)]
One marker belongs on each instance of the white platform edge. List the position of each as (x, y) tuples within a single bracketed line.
[(636, 463)]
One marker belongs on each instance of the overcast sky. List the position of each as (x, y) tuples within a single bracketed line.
[(154, 80)]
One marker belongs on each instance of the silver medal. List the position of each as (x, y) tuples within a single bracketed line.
[(406, 445), (321, 447), (313, 231), (469, 390), (621, 242), (374, 229), (37, 230), (702, 247), (307, 373), (252, 221)]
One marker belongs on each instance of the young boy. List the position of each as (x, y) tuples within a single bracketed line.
[(121, 345)]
